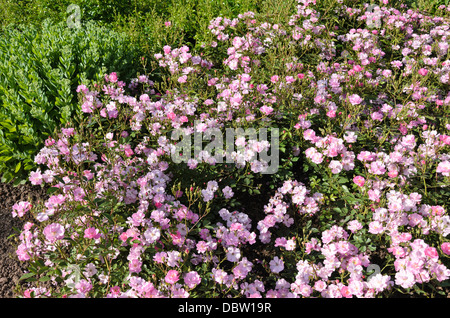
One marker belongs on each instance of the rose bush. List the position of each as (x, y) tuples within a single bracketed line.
[(356, 208)]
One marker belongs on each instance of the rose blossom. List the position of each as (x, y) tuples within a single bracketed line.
[(355, 99), (359, 180), (445, 247), (172, 276), (54, 232)]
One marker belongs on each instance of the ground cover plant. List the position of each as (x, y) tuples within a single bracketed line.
[(351, 101)]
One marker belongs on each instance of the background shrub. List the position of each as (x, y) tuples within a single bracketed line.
[(39, 73)]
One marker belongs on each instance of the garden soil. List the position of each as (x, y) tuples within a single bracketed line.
[(11, 269)]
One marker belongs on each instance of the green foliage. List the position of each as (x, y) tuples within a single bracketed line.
[(39, 74), (189, 21)]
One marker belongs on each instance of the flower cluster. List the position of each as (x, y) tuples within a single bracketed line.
[(364, 119)]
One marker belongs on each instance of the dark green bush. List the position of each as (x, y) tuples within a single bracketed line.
[(40, 70)]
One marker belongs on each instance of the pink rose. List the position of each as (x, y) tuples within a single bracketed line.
[(431, 252), (91, 233), (423, 71), (359, 180), (54, 232), (172, 277), (355, 99), (445, 247)]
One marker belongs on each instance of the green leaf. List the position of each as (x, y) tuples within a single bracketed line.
[(18, 167), (44, 279), (7, 177), (52, 190), (5, 159), (18, 182), (26, 276), (343, 180)]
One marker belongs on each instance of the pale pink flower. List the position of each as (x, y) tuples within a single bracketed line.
[(192, 163), (320, 285), (227, 192), (444, 168), (36, 177), (431, 252), (92, 233), (379, 282), (350, 136), (167, 49), (359, 180), (331, 113), (88, 174), (267, 110), (182, 79), (374, 195), (335, 166), (54, 232), (290, 245), (192, 279), (404, 278), (366, 156), (355, 99), (354, 226), (445, 247), (233, 254), (375, 227), (440, 272), (276, 265), (82, 88), (22, 252), (317, 158), (19, 209), (393, 173), (219, 275), (113, 77), (128, 151), (83, 286), (90, 270), (134, 266), (377, 167), (377, 116), (423, 71), (152, 235), (356, 288), (172, 116), (172, 276), (309, 134), (242, 269), (68, 132), (290, 79), (395, 156), (345, 291)]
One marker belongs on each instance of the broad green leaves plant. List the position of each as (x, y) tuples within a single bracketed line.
[(39, 72)]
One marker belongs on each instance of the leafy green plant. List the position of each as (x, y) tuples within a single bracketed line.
[(39, 73)]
